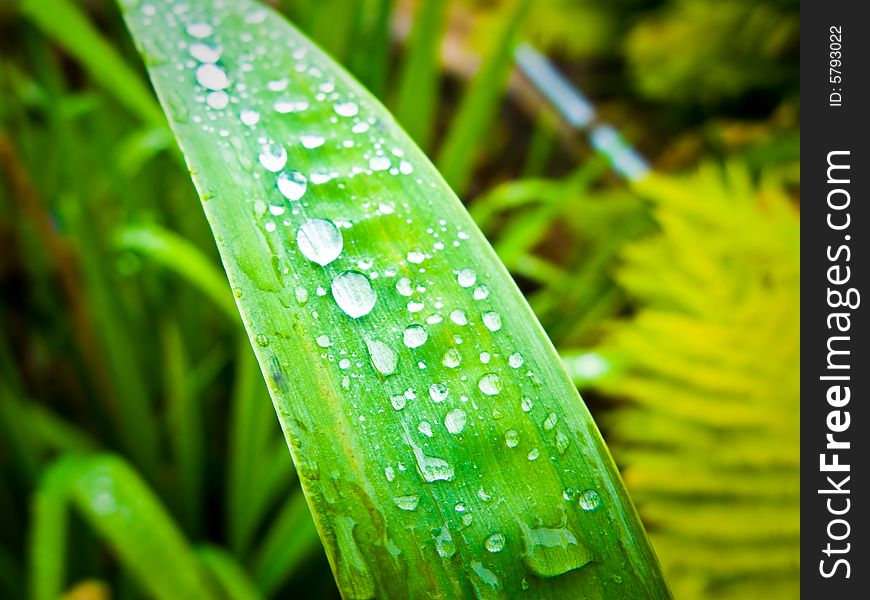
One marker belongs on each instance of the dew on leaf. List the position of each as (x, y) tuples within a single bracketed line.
[(319, 240), (489, 384), (455, 420), (414, 336), (354, 294)]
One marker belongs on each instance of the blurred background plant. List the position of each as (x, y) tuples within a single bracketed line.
[(674, 299)]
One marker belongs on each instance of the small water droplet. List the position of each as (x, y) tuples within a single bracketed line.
[(379, 163), (495, 542), (354, 294), (273, 157), (562, 442), (533, 454), (489, 384), (262, 340), (217, 100), (486, 576), (444, 544), (466, 278), (550, 421), (249, 117), (481, 493), (403, 286), (431, 468), (319, 240), (212, 77), (398, 402), (425, 427), (406, 168), (416, 257), (301, 295), (467, 519), (344, 364), (199, 30), (311, 142), (492, 320), (454, 420), (511, 438), (438, 392), (292, 184), (346, 109), (526, 404), (451, 359), (323, 341), (516, 360), (406, 502), (485, 357), (458, 316), (553, 552), (383, 357), (589, 499), (481, 292), (415, 306), (390, 473), (414, 336), (205, 53)]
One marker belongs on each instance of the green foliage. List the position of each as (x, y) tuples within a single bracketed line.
[(710, 365)]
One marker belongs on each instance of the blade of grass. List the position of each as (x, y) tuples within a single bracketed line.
[(121, 508), (479, 106), (370, 59), (418, 83), (63, 22), (229, 574), (357, 379)]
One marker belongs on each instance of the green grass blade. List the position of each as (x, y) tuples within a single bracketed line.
[(121, 508), (63, 22), (418, 83), (507, 493), (479, 106), (223, 567)]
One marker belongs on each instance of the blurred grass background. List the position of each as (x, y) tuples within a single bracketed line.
[(673, 299)]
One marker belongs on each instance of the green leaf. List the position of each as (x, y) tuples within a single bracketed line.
[(439, 442)]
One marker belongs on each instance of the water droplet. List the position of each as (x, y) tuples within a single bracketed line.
[(344, 364), (425, 427), (454, 420), (199, 30), (416, 257), (431, 468), (467, 519), (486, 576), (383, 357), (273, 157), (533, 454), (319, 240), (406, 168), (390, 473), (249, 117), (292, 184), (414, 336), (354, 294), (458, 317), (346, 109), (492, 320), (489, 384), (451, 359), (311, 142), (379, 163), (481, 493), (495, 542), (406, 502), (212, 77), (284, 106), (589, 499), (217, 100), (262, 340), (415, 306), (403, 286), (323, 341), (205, 53), (398, 402), (553, 552), (562, 442), (550, 421), (516, 360), (301, 295), (466, 278), (438, 392), (511, 438), (444, 544), (526, 404), (485, 357), (481, 292)]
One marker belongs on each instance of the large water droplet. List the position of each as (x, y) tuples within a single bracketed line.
[(311, 142), (249, 117), (414, 336), (458, 316), (495, 542), (589, 499), (492, 320), (406, 502), (489, 384), (354, 294), (319, 240), (486, 576), (292, 184), (431, 468), (199, 30), (511, 438), (516, 360), (273, 157), (454, 420), (205, 53), (383, 357), (403, 286), (217, 100), (552, 552), (212, 77), (466, 278)]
